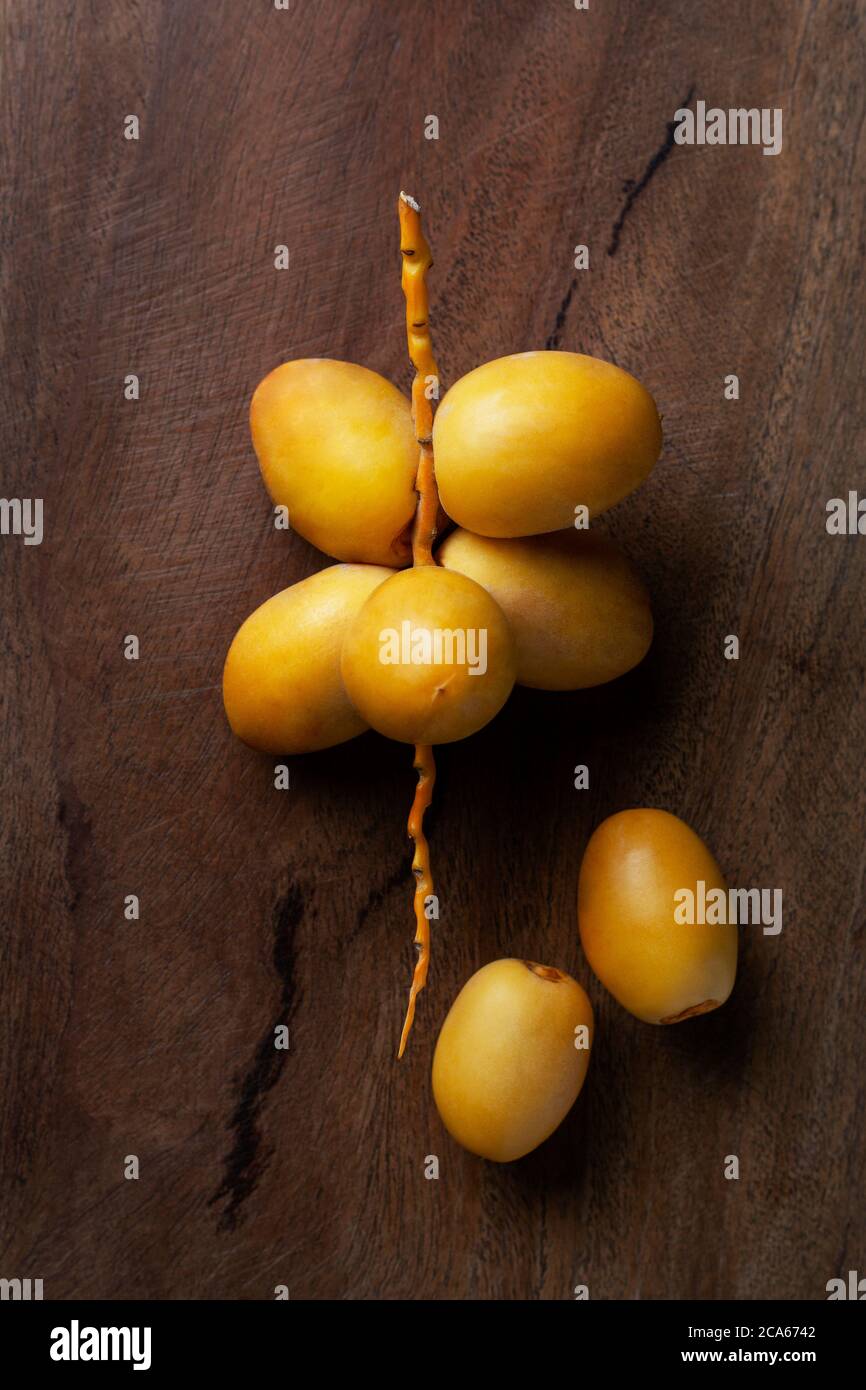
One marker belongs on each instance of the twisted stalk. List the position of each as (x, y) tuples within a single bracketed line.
[(415, 252)]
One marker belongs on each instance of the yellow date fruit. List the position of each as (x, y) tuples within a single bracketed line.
[(637, 867), (282, 689), (578, 609), (511, 1057), (429, 658), (523, 441), (335, 445)]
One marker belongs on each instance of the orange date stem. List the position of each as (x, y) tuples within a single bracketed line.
[(417, 260)]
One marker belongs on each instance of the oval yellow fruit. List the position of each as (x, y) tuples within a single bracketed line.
[(636, 866), (511, 1057), (336, 446), (522, 441), (578, 609), (282, 689), (429, 658)]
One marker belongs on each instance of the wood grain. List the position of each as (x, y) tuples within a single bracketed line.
[(259, 907)]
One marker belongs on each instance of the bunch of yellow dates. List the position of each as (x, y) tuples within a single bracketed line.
[(523, 446)]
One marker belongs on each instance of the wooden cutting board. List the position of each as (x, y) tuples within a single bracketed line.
[(260, 128)]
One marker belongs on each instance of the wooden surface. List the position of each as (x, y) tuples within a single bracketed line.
[(155, 1037)]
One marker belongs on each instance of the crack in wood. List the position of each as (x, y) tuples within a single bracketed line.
[(246, 1161), (74, 821), (652, 168), (554, 337), (377, 895)]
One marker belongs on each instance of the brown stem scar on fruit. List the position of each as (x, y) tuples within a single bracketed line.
[(706, 1007), (545, 972)]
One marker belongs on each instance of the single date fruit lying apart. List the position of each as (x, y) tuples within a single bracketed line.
[(522, 441), (511, 1058), (661, 970), (578, 609), (282, 688), (336, 446)]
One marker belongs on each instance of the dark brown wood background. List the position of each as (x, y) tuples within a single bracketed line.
[(258, 907)]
